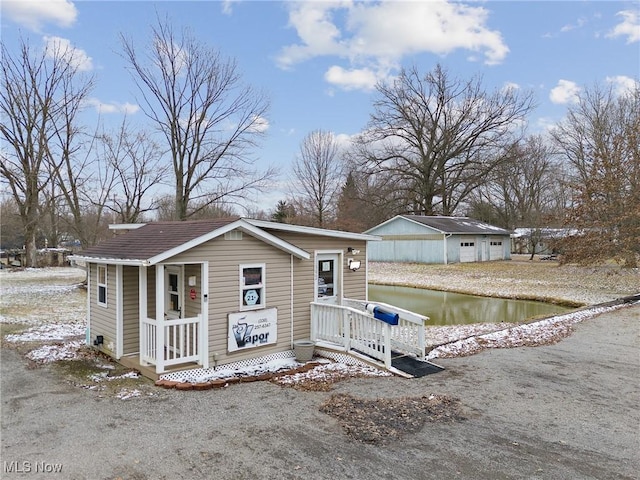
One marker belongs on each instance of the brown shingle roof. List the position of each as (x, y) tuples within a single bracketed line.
[(153, 239)]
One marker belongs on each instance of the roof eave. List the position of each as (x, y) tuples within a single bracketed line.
[(312, 230), (108, 260)]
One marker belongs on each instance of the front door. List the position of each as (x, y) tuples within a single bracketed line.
[(174, 291), (328, 278)]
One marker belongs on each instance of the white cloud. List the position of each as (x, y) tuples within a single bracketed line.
[(581, 22), (62, 48), (354, 79), (510, 86), (260, 124), (227, 6), (622, 84), (113, 107), (565, 92), (33, 14), (373, 38), (629, 27)]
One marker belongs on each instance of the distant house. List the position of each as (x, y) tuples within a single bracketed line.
[(201, 294), (438, 239), (543, 241)]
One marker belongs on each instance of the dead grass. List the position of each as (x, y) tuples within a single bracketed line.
[(568, 285), (95, 371)]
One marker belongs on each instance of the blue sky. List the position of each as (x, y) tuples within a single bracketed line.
[(319, 61)]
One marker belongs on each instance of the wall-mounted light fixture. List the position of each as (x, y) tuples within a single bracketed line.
[(353, 251), (354, 264)]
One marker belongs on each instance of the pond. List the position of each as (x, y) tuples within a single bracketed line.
[(447, 308)]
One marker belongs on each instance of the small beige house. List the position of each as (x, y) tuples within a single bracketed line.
[(170, 295)]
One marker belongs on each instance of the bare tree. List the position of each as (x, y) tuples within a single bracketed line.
[(208, 118), (318, 172), (600, 139), (439, 137), (39, 96), (526, 190), (137, 162)]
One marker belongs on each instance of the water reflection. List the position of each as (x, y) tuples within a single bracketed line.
[(446, 308)]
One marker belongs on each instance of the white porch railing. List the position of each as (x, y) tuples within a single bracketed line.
[(354, 328), (178, 342), (409, 335)]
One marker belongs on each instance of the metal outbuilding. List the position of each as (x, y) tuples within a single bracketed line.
[(438, 239)]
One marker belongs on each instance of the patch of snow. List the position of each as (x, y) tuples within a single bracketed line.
[(549, 330), (125, 393), (332, 370), (99, 377), (53, 353), (48, 332), (253, 370)]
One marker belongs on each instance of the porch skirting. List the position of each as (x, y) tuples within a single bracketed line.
[(326, 351)]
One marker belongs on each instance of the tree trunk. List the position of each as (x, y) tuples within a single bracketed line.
[(31, 253)]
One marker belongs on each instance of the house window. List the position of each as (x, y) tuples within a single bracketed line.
[(252, 286), (102, 285)]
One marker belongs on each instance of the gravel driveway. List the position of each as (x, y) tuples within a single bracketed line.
[(569, 410)]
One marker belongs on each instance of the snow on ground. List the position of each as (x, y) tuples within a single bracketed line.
[(55, 352), (51, 300), (49, 332), (326, 370), (542, 332), (35, 296)]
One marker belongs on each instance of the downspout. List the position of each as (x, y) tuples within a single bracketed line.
[(89, 294), (291, 298), (444, 239)]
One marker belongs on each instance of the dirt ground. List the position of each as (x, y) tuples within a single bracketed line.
[(564, 411)]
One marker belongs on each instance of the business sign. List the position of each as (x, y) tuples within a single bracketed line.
[(252, 329)]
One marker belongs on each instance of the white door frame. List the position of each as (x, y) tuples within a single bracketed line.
[(337, 257), (179, 271)]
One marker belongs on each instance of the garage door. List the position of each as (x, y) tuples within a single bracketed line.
[(467, 251), (496, 252)]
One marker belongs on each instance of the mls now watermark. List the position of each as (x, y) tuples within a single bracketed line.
[(32, 467)]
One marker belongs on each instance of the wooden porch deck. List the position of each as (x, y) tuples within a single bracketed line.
[(133, 361)]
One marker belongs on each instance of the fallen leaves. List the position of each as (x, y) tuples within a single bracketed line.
[(382, 420)]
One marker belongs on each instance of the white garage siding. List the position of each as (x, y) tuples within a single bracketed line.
[(429, 249), (421, 239), (467, 251), (496, 250)]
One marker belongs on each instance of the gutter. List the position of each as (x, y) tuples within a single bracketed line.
[(444, 238)]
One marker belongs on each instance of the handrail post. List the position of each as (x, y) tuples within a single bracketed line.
[(314, 323), (422, 343), (387, 345), (346, 328), (159, 314)]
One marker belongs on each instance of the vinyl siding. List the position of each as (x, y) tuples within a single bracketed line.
[(354, 283), (103, 319), (130, 310), (151, 292), (225, 258)]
